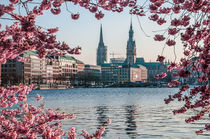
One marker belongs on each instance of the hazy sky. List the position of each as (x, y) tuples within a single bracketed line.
[(85, 33)]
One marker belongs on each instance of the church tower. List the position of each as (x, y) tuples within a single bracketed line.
[(131, 48), (101, 51)]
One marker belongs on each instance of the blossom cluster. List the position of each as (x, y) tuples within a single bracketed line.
[(189, 21), (27, 121)]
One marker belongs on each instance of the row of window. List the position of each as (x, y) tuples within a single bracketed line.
[(36, 72), (69, 70), (8, 65), (8, 70), (74, 66), (67, 74)]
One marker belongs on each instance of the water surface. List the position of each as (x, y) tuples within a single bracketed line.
[(136, 113)]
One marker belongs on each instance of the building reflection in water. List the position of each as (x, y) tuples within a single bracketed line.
[(130, 121), (101, 112)]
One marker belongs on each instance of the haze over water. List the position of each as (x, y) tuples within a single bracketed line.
[(134, 112)]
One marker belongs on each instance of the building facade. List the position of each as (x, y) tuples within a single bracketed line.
[(14, 72), (51, 70), (109, 72), (101, 51), (80, 66), (124, 70), (121, 73), (93, 69), (153, 68), (117, 60)]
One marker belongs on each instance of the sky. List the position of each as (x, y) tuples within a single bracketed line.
[(85, 31)]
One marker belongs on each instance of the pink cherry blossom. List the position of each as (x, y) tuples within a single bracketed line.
[(164, 10), (160, 76), (175, 22), (153, 8), (99, 15), (38, 97), (93, 9), (161, 21), (154, 17), (160, 58), (170, 42), (56, 11), (75, 16), (72, 133), (172, 66), (14, 1), (172, 31), (176, 9), (187, 53), (52, 30), (159, 37)]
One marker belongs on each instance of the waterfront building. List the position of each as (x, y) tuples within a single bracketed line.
[(101, 51), (51, 70), (109, 72), (124, 70), (56, 68), (153, 68), (122, 73), (90, 76), (93, 69), (68, 68), (28, 72), (34, 70), (133, 68), (80, 66), (49, 74), (117, 60)]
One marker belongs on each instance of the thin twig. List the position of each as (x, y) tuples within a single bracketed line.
[(141, 27), (4, 18)]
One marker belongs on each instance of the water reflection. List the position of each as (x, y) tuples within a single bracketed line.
[(131, 113), (93, 106), (101, 112)]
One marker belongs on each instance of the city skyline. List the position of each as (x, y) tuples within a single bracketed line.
[(148, 48), (85, 32)]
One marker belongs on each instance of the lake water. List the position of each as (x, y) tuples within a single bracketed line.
[(135, 113)]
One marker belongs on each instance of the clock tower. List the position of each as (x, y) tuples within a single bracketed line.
[(131, 48)]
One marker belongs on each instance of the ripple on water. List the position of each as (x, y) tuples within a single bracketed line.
[(136, 113)]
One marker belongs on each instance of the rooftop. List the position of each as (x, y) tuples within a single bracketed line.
[(67, 57), (34, 53), (112, 64)]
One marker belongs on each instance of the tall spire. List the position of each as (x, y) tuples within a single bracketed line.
[(102, 50), (131, 47), (101, 36), (131, 28), (131, 31)]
